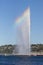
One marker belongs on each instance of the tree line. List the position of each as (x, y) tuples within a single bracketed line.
[(8, 49), (37, 47)]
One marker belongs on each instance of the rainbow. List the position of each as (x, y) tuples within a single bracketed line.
[(22, 27)]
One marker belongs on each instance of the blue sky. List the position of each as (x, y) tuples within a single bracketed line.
[(11, 9), (36, 7)]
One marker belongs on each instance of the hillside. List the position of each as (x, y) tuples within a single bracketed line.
[(10, 49)]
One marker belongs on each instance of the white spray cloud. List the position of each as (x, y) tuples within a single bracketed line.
[(23, 33)]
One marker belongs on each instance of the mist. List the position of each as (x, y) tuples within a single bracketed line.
[(22, 33)]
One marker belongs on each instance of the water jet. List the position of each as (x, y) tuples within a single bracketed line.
[(22, 33)]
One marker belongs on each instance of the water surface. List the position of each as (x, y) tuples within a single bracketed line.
[(21, 60)]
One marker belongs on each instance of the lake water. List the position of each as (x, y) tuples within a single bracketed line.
[(21, 60)]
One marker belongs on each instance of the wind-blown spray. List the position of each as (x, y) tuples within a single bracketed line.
[(22, 28)]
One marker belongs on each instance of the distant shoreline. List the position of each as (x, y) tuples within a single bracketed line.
[(36, 53), (31, 54)]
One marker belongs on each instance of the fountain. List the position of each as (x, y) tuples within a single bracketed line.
[(22, 33)]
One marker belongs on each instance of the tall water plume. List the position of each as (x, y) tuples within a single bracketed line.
[(22, 33)]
